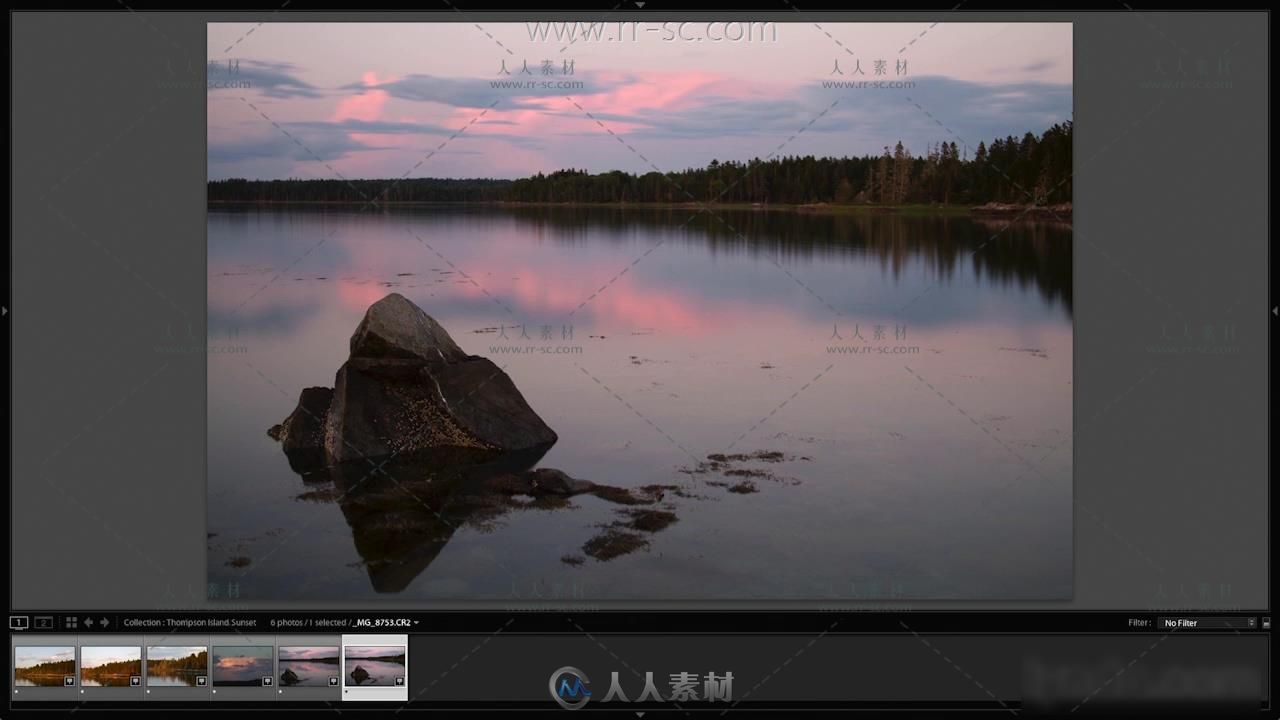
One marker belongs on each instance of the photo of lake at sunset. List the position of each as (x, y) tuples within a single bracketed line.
[(309, 666), (703, 323), (110, 666), (41, 666), (241, 665), (176, 665), (374, 665)]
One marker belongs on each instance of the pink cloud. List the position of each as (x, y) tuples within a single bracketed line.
[(234, 663), (307, 653), (373, 651), (625, 94), (367, 105), (614, 95)]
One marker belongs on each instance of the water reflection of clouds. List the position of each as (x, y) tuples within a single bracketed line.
[(631, 302), (806, 278), (513, 287), (519, 280)]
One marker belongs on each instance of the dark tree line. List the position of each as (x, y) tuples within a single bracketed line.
[(398, 658), (194, 661), (357, 191), (52, 667), (325, 660), (113, 669), (1026, 170)]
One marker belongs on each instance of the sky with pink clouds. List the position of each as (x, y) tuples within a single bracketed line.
[(173, 652), (372, 100), (373, 651), (92, 657), (25, 657), (308, 653)]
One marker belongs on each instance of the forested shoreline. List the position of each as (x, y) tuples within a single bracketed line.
[(1028, 171), (46, 669), (117, 669), (197, 661)]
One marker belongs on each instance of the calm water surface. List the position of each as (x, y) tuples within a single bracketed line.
[(173, 679), (39, 681), (380, 672), (914, 373), (111, 681), (309, 673)]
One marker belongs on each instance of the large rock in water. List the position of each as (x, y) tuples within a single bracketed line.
[(408, 387)]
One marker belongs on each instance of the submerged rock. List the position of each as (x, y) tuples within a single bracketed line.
[(557, 482), (553, 483), (612, 542), (407, 387), (649, 520)]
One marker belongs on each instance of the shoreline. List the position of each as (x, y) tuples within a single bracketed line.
[(1060, 211)]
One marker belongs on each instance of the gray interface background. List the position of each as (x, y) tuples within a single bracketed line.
[(108, 272)]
